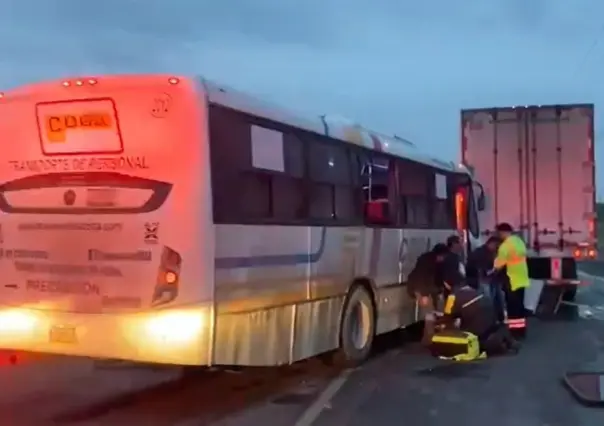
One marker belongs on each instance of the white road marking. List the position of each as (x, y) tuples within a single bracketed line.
[(316, 408), (311, 414)]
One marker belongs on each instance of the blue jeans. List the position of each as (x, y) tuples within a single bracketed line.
[(492, 289)]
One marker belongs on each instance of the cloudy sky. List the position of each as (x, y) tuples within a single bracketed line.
[(398, 66)]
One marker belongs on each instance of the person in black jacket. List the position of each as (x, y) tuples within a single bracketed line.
[(451, 272), (475, 314), (425, 285), (479, 265), (480, 262), (453, 266), (455, 245)]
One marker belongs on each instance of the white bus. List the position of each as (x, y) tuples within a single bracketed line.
[(167, 219)]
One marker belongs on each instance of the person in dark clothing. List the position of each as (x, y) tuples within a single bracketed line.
[(476, 315), (479, 266), (423, 278), (498, 284), (452, 270), (455, 245), (480, 262), (425, 285)]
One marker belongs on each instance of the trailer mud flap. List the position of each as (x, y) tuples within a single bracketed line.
[(586, 387)]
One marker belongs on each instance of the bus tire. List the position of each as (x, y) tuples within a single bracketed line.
[(357, 328)]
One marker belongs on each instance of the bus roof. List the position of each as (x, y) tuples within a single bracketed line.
[(334, 127)]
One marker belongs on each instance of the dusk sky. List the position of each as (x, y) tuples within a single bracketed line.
[(393, 65)]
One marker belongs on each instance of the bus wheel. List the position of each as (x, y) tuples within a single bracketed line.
[(357, 328)]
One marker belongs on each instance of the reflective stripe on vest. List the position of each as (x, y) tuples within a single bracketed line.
[(472, 301), (513, 258)]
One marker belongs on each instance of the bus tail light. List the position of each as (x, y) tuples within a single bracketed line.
[(168, 276)]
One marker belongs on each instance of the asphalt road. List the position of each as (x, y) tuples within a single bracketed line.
[(400, 384), (406, 386), (81, 392), (593, 267)]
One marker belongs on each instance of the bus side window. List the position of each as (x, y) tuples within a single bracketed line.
[(243, 193), (332, 192), (444, 213), (288, 189), (443, 204), (378, 189), (415, 194)]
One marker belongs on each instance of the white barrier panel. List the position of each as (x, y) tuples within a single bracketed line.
[(532, 295)]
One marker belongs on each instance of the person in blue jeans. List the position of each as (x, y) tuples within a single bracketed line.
[(480, 263), (495, 283)]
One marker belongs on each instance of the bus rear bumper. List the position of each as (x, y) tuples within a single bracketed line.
[(171, 336)]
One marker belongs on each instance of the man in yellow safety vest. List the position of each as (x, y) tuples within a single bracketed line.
[(511, 255)]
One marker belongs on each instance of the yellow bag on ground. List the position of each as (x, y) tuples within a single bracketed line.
[(456, 345)]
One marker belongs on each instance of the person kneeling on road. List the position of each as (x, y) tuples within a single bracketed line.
[(475, 314)]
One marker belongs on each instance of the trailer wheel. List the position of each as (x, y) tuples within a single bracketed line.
[(357, 328)]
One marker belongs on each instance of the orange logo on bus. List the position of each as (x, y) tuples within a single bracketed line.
[(58, 125)]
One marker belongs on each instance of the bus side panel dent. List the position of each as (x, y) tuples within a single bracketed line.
[(258, 338), (317, 327), (253, 338), (392, 304)]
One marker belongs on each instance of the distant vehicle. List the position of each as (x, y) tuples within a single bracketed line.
[(171, 220), (537, 167)]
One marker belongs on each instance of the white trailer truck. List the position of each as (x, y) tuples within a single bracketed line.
[(537, 167)]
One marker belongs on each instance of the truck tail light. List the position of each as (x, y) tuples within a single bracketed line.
[(585, 252)]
